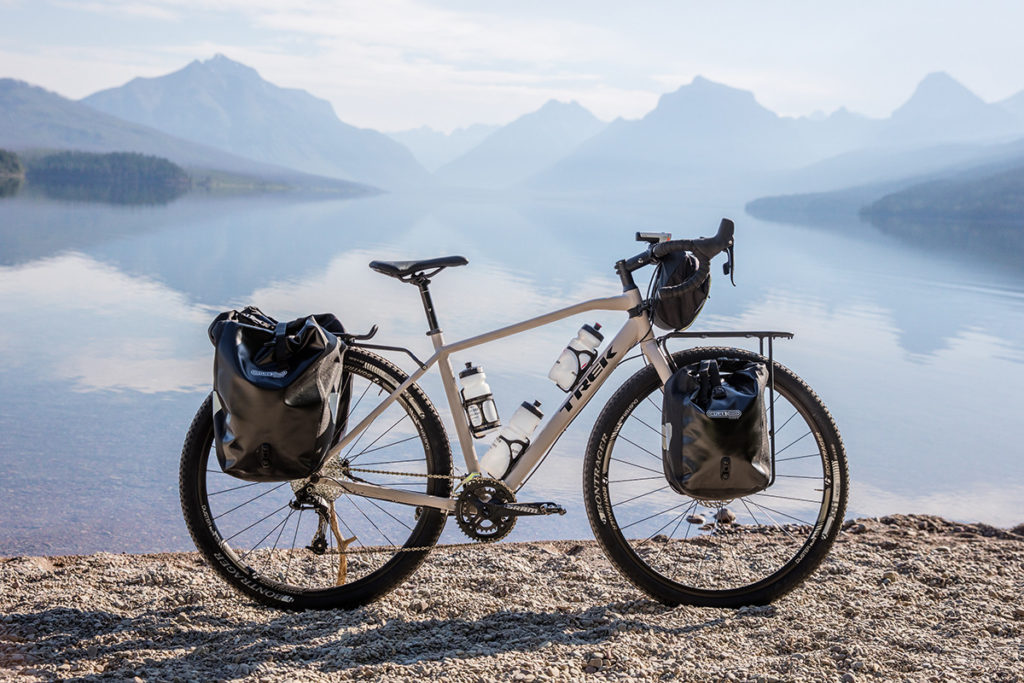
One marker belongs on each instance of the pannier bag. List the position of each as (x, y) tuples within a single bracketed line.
[(278, 392), (674, 309), (715, 435)]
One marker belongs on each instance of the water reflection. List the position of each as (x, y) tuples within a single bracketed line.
[(107, 358)]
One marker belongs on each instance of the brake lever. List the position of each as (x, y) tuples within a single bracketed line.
[(729, 267)]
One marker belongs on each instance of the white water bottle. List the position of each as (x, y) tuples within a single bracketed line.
[(478, 402), (576, 356), (511, 441)]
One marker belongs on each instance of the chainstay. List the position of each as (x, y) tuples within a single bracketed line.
[(415, 549)]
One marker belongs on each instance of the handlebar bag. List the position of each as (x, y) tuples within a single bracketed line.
[(672, 308), (715, 435), (280, 400)]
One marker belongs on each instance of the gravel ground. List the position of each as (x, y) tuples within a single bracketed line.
[(900, 598)]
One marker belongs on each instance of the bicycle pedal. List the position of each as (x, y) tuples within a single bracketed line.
[(534, 508)]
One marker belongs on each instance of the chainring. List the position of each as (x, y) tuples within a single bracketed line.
[(475, 514)]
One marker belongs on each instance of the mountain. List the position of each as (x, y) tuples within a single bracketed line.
[(227, 105), (35, 119), (1015, 105), (703, 130), (519, 149), (943, 110), (432, 148)]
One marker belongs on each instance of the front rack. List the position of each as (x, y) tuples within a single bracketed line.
[(761, 335)]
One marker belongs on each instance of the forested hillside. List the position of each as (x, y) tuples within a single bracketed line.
[(10, 164)]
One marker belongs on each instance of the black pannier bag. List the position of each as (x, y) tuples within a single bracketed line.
[(715, 435), (278, 392), (674, 309)]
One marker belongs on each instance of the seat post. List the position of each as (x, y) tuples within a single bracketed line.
[(428, 305)]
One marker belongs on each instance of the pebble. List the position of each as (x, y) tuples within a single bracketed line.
[(725, 516), (570, 614), (696, 519)]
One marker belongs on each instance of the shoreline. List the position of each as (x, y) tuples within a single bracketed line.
[(902, 597)]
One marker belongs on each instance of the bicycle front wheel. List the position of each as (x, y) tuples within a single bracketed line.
[(349, 550), (682, 550)]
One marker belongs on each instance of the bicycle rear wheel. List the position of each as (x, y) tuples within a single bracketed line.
[(360, 548), (681, 550)]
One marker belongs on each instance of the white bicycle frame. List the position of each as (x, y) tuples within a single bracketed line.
[(637, 330)]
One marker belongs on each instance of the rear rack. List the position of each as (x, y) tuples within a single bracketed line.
[(761, 335)]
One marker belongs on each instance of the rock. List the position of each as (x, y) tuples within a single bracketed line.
[(725, 516), (848, 678), (890, 575), (696, 519), (858, 528), (1018, 614)]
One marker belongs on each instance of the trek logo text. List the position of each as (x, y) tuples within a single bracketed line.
[(595, 369)]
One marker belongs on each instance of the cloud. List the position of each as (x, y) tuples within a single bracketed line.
[(132, 333)]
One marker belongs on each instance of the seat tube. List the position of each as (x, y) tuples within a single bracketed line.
[(451, 391)]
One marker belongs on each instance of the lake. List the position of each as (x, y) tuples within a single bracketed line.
[(917, 351)]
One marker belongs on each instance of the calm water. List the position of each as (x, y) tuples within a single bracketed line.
[(918, 353)]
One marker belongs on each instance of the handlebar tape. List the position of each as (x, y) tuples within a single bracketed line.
[(705, 248)]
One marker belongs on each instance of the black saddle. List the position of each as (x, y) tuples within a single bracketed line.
[(405, 270)]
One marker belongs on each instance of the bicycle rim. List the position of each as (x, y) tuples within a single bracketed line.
[(263, 543), (739, 551)]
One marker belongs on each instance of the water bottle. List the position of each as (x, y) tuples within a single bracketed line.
[(576, 356), (478, 402), (512, 440)]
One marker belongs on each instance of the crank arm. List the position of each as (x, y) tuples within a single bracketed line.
[(530, 509)]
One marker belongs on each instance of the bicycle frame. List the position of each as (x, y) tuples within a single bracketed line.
[(636, 330)]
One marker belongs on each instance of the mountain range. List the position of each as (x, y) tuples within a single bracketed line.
[(433, 149), (523, 148), (222, 114)]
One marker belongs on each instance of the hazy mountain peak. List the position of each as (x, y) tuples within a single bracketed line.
[(225, 104), (936, 92)]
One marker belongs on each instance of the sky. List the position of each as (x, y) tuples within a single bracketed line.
[(398, 64)]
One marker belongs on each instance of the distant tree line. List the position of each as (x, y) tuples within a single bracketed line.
[(10, 164), (117, 169), (981, 214)]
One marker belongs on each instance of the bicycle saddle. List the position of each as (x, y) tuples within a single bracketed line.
[(403, 269)]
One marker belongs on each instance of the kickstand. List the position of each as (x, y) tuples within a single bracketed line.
[(342, 547)]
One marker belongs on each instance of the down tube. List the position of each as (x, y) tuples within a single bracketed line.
[(598, 371)]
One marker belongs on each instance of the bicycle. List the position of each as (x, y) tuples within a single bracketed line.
[(351, 533)]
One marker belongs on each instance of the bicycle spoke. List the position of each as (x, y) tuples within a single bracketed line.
[(775, 495), (656, 514), (280, 525), (626, 462), (656, 431), (393, 443), (798, 457), (256, 522), (794, 442), (642, 495), (622, 481), (235, 488), (404, 417), (250, 500), (657, 457), (766, 508), (372, 523)]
